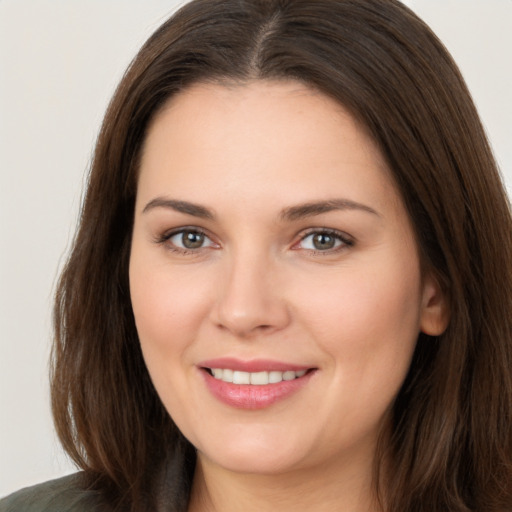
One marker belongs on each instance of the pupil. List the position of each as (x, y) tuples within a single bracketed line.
[(192, 240), (323, 241)]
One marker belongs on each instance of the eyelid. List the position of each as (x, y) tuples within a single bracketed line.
[(345, 239), (165, 237)]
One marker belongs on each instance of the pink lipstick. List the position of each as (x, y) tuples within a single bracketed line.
[(253, 384)]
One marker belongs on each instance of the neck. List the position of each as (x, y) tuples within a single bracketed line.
[(339, 486)]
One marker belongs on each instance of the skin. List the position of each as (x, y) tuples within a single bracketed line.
[(258, 288)]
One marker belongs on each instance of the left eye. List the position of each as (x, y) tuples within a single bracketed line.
[(322, 241), (190, 239)]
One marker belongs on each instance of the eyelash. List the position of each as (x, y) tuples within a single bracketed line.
[(345, 240), (165, 238)]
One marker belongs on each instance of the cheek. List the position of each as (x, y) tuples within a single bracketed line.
[(161, 295), (168, 308), (368, 322)]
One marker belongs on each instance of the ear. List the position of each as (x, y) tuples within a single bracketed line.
[(435, 312)]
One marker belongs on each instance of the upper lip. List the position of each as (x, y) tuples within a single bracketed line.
[(253, 365)]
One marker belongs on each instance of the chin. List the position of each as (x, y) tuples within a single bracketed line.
[(254, 455), (256, 464)]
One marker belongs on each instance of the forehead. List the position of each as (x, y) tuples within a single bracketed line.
[(260, 137), (275, 105)]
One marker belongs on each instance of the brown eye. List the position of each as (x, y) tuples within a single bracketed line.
[(192, 239), (189, 239), (325, 241)]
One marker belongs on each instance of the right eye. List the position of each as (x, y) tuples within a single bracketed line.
[(186, 240)]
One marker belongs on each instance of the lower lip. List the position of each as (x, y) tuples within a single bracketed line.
[(247, 396)]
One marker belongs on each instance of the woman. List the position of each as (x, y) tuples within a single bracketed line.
[(290, 287)]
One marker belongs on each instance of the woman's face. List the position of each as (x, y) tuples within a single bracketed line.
[(274, 277)]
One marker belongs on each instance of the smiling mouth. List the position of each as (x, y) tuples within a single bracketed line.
[(269, 381), (255, 378)]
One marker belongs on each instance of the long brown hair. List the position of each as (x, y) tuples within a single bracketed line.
[(451, 446)]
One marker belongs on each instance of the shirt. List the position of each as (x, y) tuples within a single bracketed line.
[(61, 495)]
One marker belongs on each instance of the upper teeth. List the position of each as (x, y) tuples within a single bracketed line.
[(256, 378)]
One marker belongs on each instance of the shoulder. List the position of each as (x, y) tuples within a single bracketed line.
[(61, 495)]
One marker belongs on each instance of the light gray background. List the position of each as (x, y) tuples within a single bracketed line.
[(59, 63)]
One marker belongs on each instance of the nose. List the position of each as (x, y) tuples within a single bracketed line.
[(250, 299)]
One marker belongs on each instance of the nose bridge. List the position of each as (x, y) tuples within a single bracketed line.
[(250, 300)]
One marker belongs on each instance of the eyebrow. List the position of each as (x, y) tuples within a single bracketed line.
[(292, 213), (195, 210), (318, 207)]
